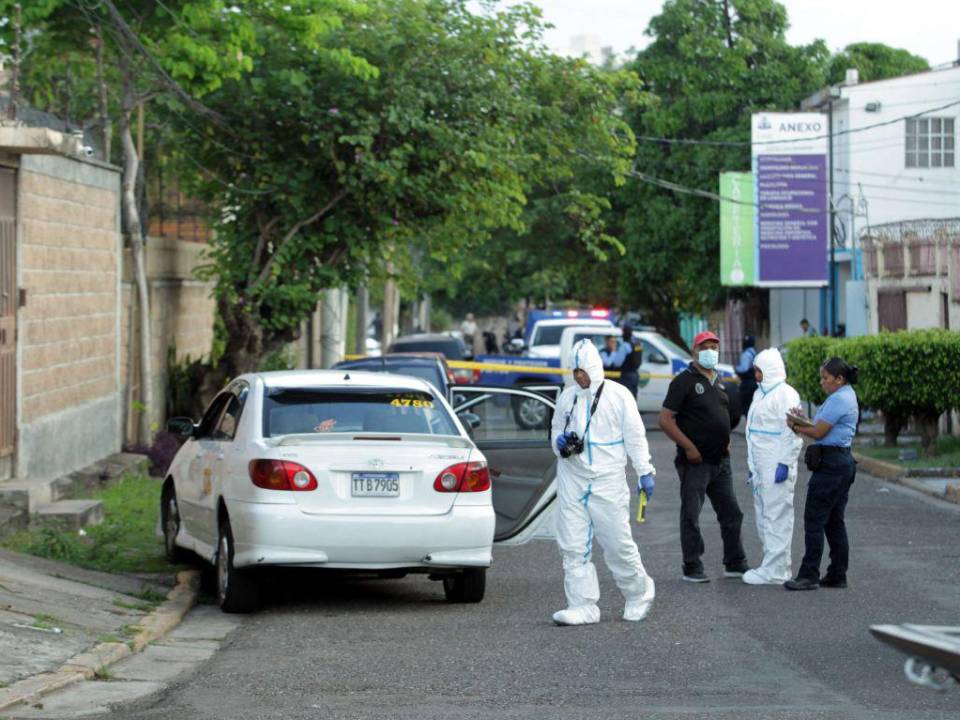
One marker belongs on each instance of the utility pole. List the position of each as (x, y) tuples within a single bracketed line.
[(833, 267)]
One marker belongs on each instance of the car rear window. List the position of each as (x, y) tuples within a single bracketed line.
[(548, 334), (300, 411), (450, 349), (430, 373)]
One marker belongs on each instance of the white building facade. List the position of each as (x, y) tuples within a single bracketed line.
[(896, 197)]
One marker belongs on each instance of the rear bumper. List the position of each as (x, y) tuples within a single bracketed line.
[(284, 535)]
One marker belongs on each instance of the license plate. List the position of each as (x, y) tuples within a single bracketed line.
[(385, 484)]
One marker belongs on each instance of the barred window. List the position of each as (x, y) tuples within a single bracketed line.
[(930, 143)]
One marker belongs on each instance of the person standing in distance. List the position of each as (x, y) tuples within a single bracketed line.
[(630, 369), (772, 452), (807, 329), (744, 370), (834, 470), (596, 427), (696, 416)]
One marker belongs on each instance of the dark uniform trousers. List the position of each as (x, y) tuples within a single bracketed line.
[(824, 515), (698, 482)]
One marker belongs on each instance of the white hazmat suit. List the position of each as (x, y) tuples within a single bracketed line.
[(770, 443), (592, 492)]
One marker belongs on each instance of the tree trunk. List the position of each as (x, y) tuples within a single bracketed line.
[(391, 313), (893, 423), (134, 232), (929, 430), (105, 123), (363, 308)]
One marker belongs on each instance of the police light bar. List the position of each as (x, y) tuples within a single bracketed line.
[(573, 313), (599, 313)]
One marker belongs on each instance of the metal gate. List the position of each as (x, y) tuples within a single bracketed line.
[(892, 310), (8, 311)]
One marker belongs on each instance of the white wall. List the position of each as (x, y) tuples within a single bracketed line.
[(873, 162)]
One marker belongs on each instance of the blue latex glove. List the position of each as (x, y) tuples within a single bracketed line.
[(561, 442), (646, 484), (782, 473)]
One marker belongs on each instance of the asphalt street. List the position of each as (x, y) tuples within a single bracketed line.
[(325, 647)]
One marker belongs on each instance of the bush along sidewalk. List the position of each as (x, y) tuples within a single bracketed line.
[(905, 375), (126, 541)]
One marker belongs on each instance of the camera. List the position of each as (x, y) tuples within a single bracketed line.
[(574, 445)]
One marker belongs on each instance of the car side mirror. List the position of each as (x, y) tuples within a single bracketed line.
[(182, 426), (471, 420), (517, 344)]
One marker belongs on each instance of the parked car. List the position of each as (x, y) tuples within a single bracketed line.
[(452, 347), (431, 367), (355, 470)]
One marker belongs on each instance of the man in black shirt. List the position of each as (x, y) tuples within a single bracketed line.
[(696, 416)]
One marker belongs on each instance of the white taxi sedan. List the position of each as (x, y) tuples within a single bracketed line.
[(363, 471)]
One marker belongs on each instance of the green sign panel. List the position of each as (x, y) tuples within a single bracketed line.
[(736, 229)]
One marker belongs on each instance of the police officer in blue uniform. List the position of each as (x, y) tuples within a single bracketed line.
[(834, 470)]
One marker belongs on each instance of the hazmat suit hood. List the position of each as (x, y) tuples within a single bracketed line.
[(585, 356), (770, 363)]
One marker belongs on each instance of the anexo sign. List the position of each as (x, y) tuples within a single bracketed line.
[(791, 231)]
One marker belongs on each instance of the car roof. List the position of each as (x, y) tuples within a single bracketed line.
[(410, 358), (598, 329), (575, 321), (339, 378), (420, 337)]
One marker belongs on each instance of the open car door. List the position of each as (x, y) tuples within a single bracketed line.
[(522, 464)]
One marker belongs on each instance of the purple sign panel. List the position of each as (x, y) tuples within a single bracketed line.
[(792, 219)]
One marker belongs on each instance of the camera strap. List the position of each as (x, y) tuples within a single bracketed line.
[(593, 409)]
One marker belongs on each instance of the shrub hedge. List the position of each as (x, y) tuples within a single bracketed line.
[(907, 374)]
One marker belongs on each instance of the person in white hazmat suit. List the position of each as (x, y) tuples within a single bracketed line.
[(772, 453), (592, 492)]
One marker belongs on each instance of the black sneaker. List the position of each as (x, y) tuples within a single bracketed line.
[(801, 584), (736, 571), (829, 582), (695, 577)]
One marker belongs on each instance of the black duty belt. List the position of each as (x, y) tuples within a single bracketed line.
[(834, 450)]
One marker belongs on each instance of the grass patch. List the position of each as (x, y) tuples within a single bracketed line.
[(126, 541), (102, 673), (44, 622), (948, 454)]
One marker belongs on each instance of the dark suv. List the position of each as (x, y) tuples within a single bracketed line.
[(452, 348)]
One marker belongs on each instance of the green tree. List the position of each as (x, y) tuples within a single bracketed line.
[(711, 63), (345, 175), (875, 61)]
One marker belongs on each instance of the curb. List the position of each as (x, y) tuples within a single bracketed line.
[(896, 474), (88, 664)]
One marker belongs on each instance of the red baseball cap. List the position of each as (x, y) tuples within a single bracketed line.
[(703, 337)]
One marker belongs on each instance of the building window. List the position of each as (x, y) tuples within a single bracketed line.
[(931, 142)]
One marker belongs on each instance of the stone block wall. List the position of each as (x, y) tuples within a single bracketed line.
[(182, 313), (69, 339)]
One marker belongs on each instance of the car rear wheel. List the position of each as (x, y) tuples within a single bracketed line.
[(466, 586), (236, 589), (170, 521)]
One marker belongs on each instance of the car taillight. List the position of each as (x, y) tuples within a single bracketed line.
[(463, 477), (281, 475)]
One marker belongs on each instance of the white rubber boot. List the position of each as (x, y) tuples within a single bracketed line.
[(583, 615), (754, 577)]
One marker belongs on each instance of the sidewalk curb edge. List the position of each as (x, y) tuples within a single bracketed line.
[(896, 474), (87, 664)]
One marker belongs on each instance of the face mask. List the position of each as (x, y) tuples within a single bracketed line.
[(708, 358)]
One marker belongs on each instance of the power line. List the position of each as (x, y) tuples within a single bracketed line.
[(748, 143)]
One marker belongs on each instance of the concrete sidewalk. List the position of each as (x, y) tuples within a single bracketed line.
[(61, 624)]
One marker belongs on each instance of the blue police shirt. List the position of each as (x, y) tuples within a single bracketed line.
[(841, 411)]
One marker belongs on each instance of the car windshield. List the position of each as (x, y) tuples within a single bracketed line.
[(299, 411), (449, 348)]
